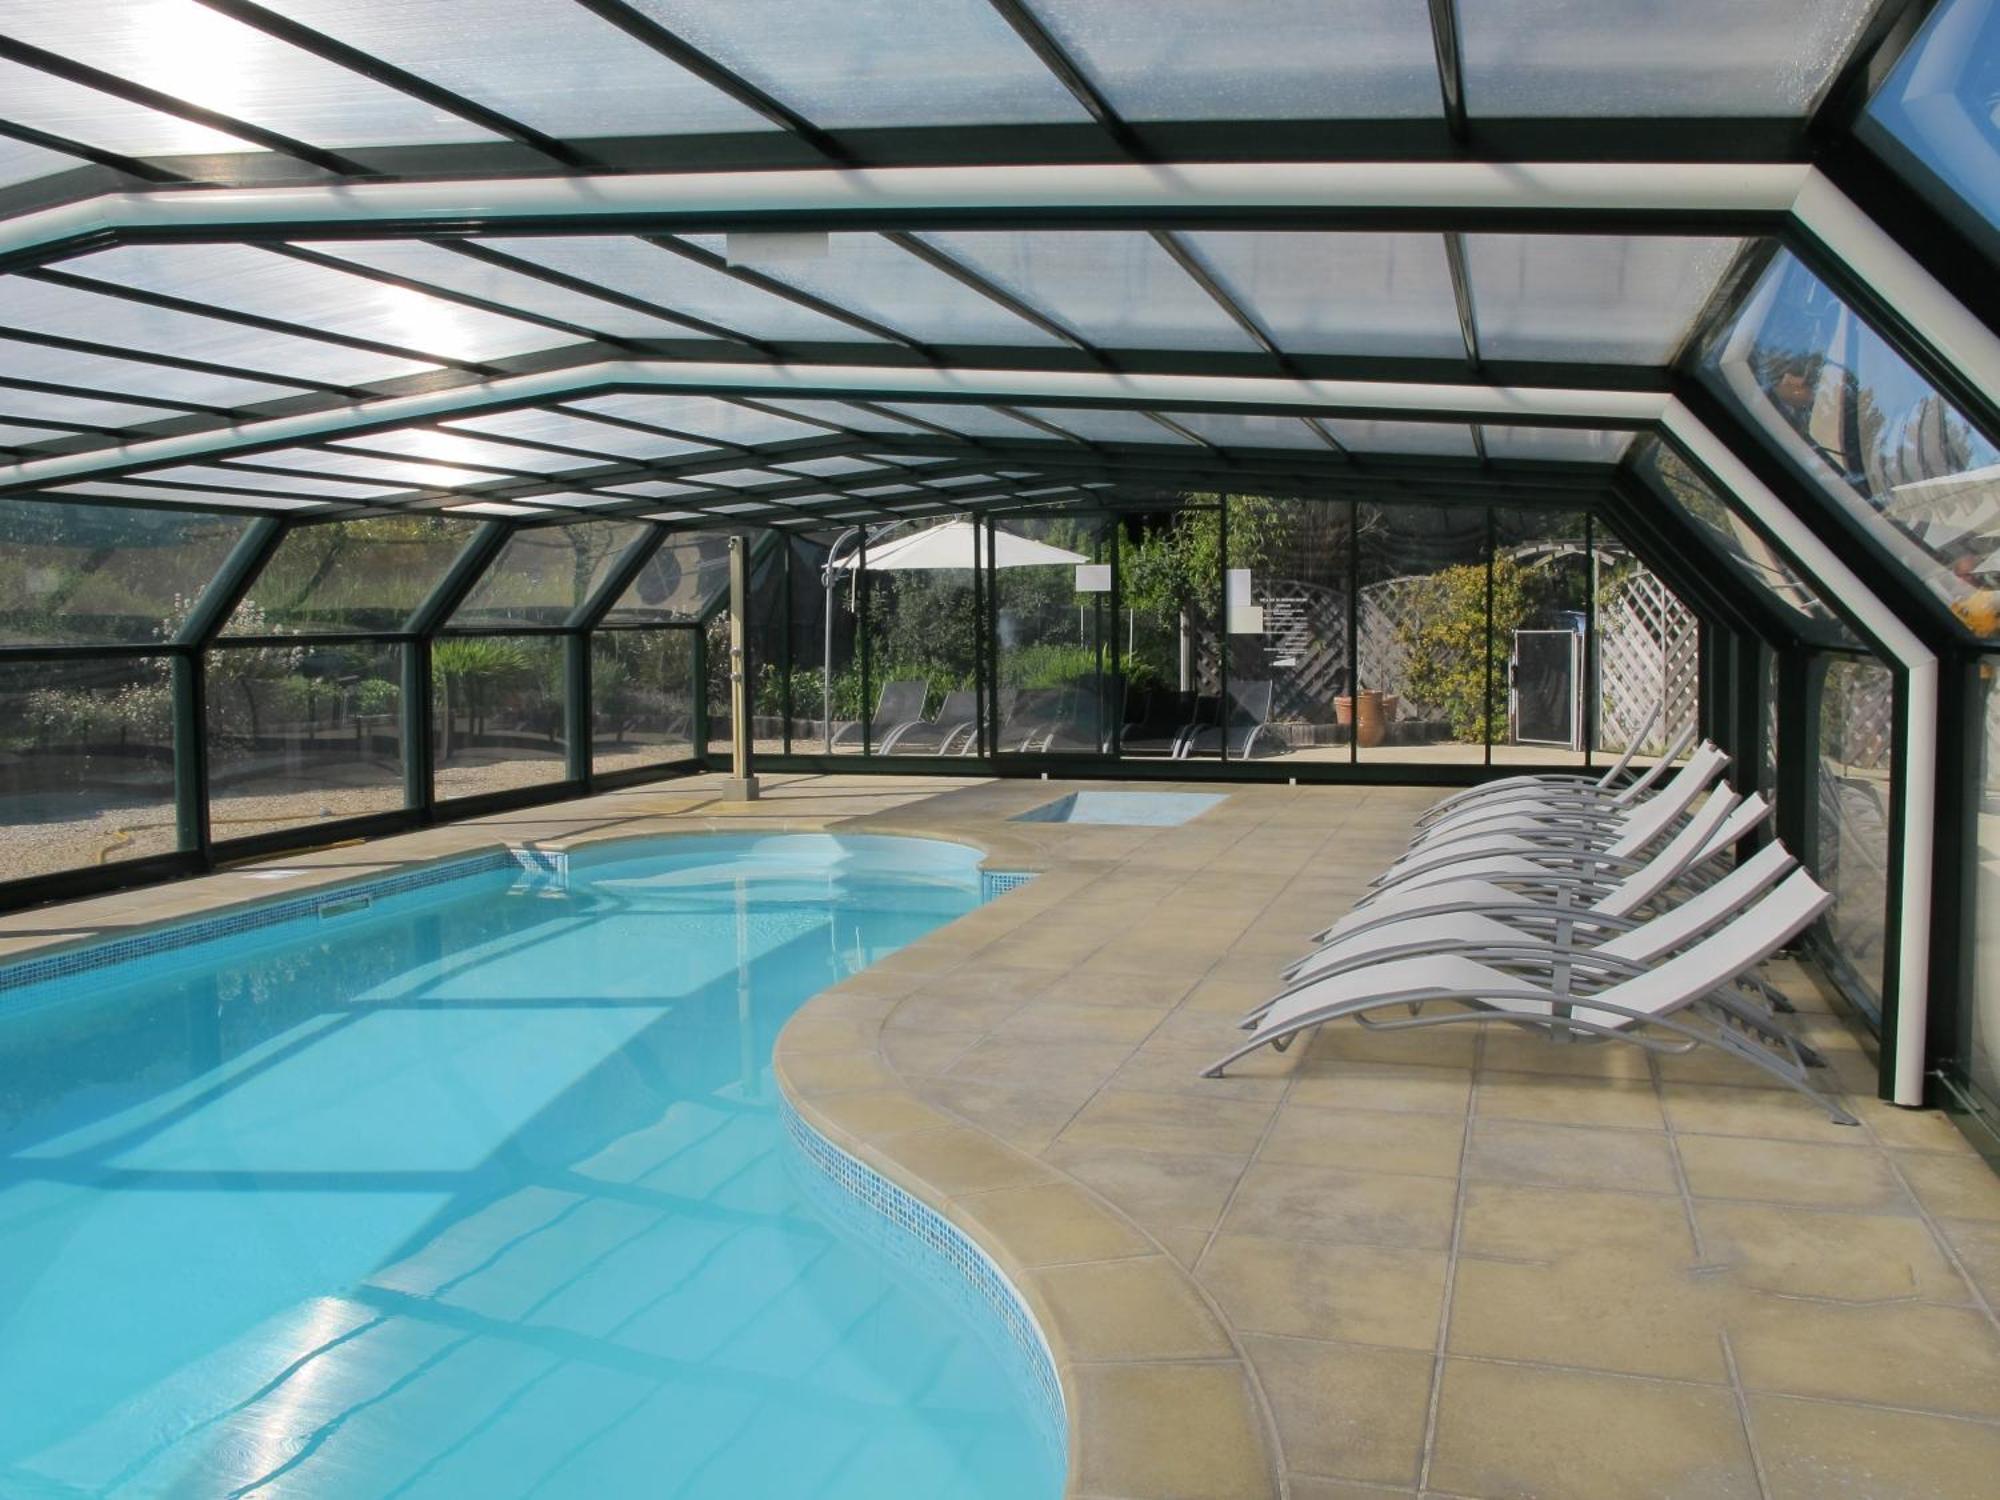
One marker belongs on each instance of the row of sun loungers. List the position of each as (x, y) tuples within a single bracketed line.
[(1614, 909), (1053, 719)]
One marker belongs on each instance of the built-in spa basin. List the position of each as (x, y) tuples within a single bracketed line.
[(1124, 809)]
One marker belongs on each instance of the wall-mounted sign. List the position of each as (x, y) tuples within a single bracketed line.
[(1093, 578)]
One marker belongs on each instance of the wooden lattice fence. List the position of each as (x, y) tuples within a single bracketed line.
[(1648, 651)]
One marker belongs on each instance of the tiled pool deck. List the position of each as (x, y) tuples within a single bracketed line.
[(1441, 1264)]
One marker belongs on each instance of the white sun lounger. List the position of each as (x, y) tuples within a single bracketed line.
[(1607, 787), (1533, 809)]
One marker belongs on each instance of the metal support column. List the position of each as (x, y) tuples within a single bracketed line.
[(742, 779)]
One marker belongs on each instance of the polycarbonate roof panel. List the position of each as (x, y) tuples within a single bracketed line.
[(1939, 107), (118, 490), (974, 421), (1107, 425), (702, 417), (827, 466), (372, 467), (1827, 391), (678, 284), (1346, 293), (190, 52), (570, 431), (344, 577), (1572, 444), (83, 410), (115, 377), (1116, 287), (850, 64), (59, 107), (456, 448), (1232, 430), (73, 574), (439, 266), (841, 412), (267, 484), (739, 478), (247, 279), (1761, 565), (21, 162), (64, 311), (1645, 57), (1252, 59), (1450, 439), (545, 574), (546, 63), (1612, 298), (866, 274), (13, 434)]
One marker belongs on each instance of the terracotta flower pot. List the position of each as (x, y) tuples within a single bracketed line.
[(1370, 727)]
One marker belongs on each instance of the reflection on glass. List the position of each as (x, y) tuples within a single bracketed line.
[(1871, 432), (1937, 119), (923, 634), (497, 712), (1539, 648), (301, 734), (342, 577), (74, 574), (545, 574), (678, 584), (1856, 766), (86, 764), (1290, 671), (1983, 1053), (1052, 641), (1422, 692), (1171, 633), (641, 698), (1648, 655)]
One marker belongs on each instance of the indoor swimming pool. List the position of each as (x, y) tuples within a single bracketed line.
[(481, 1186)]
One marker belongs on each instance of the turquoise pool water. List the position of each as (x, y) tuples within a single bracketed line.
[(482, 1191)]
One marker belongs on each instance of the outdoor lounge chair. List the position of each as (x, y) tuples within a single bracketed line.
[(1608, 786), (1249, 717), (1073, 727), (1573, 806), (1159, 725), (956, 722), (1596, 992), (900, 704)]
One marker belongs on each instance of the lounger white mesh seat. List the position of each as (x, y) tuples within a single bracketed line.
[(1535, 810), (1611, 786)]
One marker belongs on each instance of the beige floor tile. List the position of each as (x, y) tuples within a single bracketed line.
[(819, 1073), (1170, 1122), (1563, 1099), (1146, 1308), (1894, 1353), (1035, 1062), (1815, 1450), (1952, 1187), (1514, 1220), (1823, 1253), (1340, 1207), (1856, 1178), (1977, 1244), (1517, 1051), (1162, 1191), (1313, 1487), (1184, 1245), (1911, 1129), (1515, 1432), (1397, 1087), (1605, 1310), (984, 980), (1171, 1066), (1156, 991), (1768, 1114), (926, 1009), (1169, 1432), (1026, 1119), (1065, 1024), (1424, 1144), (1364, 1294), (1433, 1047), (1345, 1410), (912, 1051), (961, 1159), (1051, 1223), (873, 1113), (1565, 1156)]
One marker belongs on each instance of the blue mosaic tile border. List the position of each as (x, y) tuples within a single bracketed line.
[(923, 1240), (994, 883), (333, 901)]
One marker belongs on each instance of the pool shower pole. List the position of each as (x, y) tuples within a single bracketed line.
[(743, 780)]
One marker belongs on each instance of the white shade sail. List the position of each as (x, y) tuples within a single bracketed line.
[(953, 545)]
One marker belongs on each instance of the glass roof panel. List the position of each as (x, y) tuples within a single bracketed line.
[(1574, 444), (69, 313), (703, 417), (245, 278), (545, 574), (1254, 59), (737, 478), (1641, 57), (546, 63), (456, 448), (152, 494), (267, 484), (849, 64), (866, 274), (1116, 287), (438, 266), (576, 432), (841, 412), (1347, 293), (185, 49), (13, 434), (1257, 431), (372, 467), (1609, 298), (824, 466), (116, 377), (680, 582), (1107, 425), (1830, 394), (21, 162), (351, 577), (75, 574), (1762, 566), (1444, 438), (83, 114), (680, 285), (1937, 118), (974, 421)]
